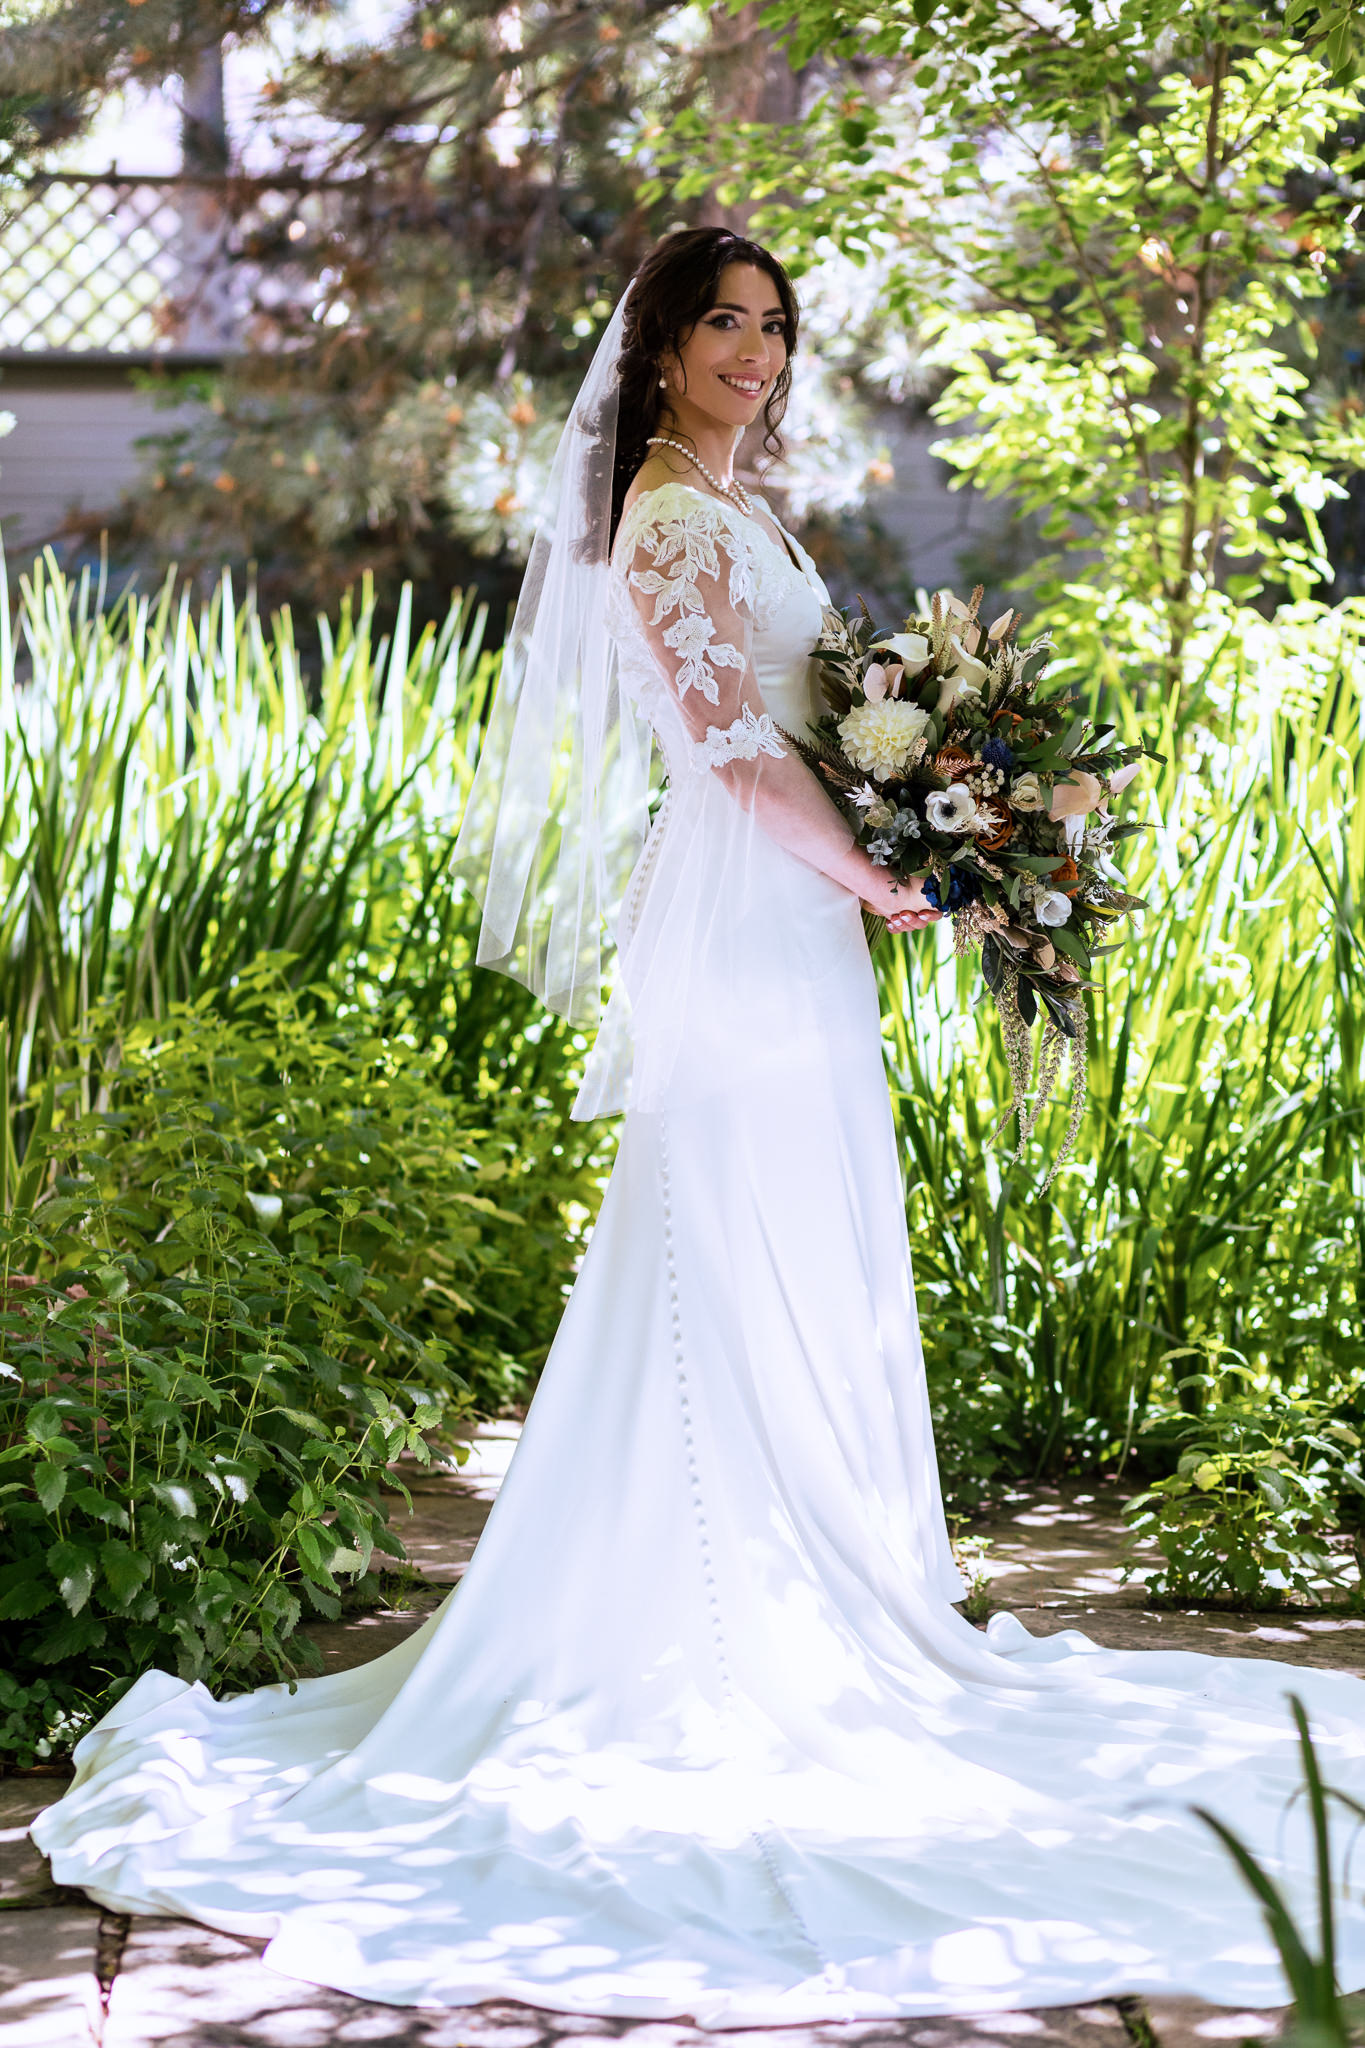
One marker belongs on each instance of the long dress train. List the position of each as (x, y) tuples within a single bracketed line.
[(701, 1732)]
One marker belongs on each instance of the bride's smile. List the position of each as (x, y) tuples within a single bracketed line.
[(720, 373)]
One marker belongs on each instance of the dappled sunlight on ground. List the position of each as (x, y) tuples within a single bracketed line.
[(1055, 1560)]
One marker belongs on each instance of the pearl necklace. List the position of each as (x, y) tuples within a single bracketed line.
[(733, 491)]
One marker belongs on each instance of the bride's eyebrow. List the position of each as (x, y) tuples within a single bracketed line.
[(729, 306)]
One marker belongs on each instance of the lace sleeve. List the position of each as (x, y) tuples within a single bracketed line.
[(692, 583), (691, 580)]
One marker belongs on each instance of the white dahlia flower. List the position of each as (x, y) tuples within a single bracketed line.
[(879, 738)]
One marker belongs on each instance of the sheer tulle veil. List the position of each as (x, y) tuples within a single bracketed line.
[(558, 808)]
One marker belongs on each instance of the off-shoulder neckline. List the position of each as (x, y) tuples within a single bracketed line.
[(784, 547)]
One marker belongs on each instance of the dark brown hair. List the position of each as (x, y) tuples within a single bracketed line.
[(673, 289)]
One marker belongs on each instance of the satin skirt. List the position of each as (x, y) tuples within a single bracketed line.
[(701, 1732)]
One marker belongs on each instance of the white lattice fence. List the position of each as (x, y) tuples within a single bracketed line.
[(142, 266)]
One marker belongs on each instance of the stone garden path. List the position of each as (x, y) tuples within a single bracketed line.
[(73, 1977)]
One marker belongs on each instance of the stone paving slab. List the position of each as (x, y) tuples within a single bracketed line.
[(49, 1990), (1189, 2023), (450, 1505), (23, 1872), (189, 1985), (199, 1989)]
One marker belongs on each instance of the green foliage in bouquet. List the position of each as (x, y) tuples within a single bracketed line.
[(1249, 1510), (266, 1260), (1217, 1192), (953, 765)]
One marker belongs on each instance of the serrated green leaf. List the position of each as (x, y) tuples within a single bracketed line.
[(44, 1421), (306, 1217), (300, 1419), (124, 1568), (49, 1483), (73, 1566)]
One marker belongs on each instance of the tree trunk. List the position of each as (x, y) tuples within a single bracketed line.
[(205, 316), (751, 81)]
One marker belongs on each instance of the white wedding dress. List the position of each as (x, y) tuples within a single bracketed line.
[(701, 1732)]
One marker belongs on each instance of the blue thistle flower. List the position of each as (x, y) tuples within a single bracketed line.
[(963, 888), (996, 754)]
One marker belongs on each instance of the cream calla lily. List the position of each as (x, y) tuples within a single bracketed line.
[(967, 673), (912, 650), (1073, 798)]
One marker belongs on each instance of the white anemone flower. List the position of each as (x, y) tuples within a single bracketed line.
[(952, 809)]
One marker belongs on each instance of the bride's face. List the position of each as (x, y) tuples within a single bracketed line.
[(728, 364)]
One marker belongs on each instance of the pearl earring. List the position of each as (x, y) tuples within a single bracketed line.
[(663, 383)]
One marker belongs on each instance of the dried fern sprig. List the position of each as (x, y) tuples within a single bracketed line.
[(1047, 1066), (1018, 1049), (1080, 1077)]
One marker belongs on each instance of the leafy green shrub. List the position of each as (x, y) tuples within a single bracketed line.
[(40, 1719), (966, 1361), (184, 802), (266, 1266), (1254, 1498)]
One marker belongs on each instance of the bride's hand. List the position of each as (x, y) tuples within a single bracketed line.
[(904, 906)]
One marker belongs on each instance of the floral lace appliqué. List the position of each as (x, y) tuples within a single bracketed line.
[(685, 548), (745, 740)]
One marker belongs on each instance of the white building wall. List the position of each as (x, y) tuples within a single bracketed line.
[(72, 447)]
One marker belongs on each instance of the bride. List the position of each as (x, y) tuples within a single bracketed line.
[(702, 1732)]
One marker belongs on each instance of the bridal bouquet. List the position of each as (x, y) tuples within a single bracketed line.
[(953, 765)]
